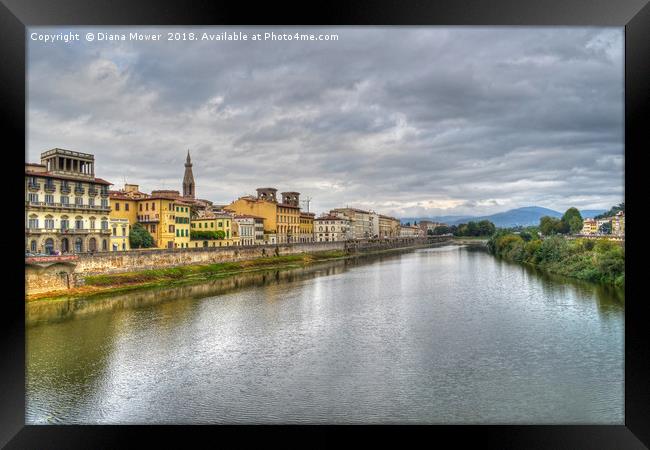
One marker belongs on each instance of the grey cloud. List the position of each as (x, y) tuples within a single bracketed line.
[(407, 120)]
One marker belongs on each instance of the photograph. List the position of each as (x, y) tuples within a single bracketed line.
[(325, 225)]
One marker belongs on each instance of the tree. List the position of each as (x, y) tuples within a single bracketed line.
[(606, 228), (441, 229), (573, 220), (486, 228), (139, 237), (549, 225)]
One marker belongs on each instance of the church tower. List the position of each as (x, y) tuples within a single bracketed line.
[(188, 179)]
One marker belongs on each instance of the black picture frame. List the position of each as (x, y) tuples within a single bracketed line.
[(634, 15)]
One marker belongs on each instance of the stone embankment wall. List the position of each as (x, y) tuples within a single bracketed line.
[(64, 276)]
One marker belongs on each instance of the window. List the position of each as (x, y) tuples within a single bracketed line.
[(49, 223), (211, 224), (92, 223), (33, 197), (123, 231), (126, 207), (146, 206), (78, 201), (79, 224), (32, 246), (105, 245), (153, 206), (91, 201), (140, 206), (153, 227), (104, 224), (65, 200), (117, 206), (104, 203), (49, 199), (32, 223), (65, 223), (114, 231)]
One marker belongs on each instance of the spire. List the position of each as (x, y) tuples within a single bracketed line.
[(188, 178)]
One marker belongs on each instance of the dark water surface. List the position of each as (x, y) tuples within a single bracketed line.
[(440, 335)]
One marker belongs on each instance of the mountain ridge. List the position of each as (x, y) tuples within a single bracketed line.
[(524, 216)]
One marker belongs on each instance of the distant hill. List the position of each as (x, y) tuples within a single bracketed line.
[(526, 216)]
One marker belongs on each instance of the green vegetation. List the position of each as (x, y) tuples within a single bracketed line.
[(139, 237), (586, 259), (208, 235), (612, 211)]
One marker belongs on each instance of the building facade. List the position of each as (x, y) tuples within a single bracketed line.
[(363, 224), (410, 231), (120, 229), (331, 228), (67, 208), (246, 226), (307, 227), (388, 226)]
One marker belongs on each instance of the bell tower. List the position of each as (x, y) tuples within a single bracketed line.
[(188, 178)]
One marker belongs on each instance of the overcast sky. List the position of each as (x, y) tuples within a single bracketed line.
[(409, 121)]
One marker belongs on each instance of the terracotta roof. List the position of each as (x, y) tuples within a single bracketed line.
[(65, 177)]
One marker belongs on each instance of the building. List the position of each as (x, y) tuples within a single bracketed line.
[(589, 226), (363, 224), (182, 211), (67, 208), (410, 231), (120, 229), (388, 226), (307, 227), (618, 224), (246, 226), (157, 214), (281, 220), (188, 179), (204, 230), (428, 226), (332, 228)]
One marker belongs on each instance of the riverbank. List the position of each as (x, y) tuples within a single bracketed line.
[(600, 261), (117, 283)]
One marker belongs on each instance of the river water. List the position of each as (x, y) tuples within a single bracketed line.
[(438, 335)]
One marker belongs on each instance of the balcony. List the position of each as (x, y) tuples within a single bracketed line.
[(49, 187), (79, 190), (92, 192), (33, 186), (146, 219), (103, 192), (65, 188)]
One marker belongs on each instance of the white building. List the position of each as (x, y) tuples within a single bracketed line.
[(331, 228)]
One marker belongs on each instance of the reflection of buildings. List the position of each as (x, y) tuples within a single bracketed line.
[(66, 207)]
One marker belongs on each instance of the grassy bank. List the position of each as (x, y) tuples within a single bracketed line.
[(599, 260), (109, 284)]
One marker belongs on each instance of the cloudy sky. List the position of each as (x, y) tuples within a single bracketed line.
[(410, 121)]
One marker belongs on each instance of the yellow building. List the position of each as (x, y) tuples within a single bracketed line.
[(157, 214), (307, 227), (212, 222), (388, 226), (182, 224), (120, 229), (280, 219), (589, 226), (66, 208)]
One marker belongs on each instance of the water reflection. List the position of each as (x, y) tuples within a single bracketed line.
[(443, 335)]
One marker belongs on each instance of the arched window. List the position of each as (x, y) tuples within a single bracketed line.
[(78, 245), (104, 244), (92, 245), (49, 246), (65, 245), (49, 222), (79, 223), (32, 246), (92, 223), (65, 223), (104, 223)]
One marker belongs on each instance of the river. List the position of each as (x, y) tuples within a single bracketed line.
[(438, 335)]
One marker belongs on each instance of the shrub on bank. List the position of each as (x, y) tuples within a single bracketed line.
[(599, 261)]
